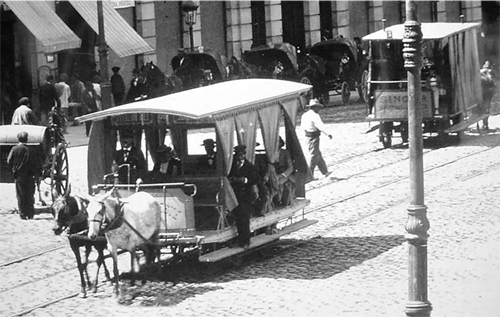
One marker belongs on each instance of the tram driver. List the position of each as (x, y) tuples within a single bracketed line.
[(129, 162)]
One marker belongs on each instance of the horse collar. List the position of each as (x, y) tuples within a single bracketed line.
[(117, 222)]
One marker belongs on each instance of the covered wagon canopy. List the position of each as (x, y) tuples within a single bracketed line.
[(215, 101), (460, 40), (36, 134), (430, 31)]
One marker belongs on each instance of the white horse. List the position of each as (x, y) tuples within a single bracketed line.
[(127, 223)]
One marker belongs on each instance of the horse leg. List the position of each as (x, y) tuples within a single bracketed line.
[(133, 261), (88, 249), (106, 271), (76, 251), (114, 254), (100, 261)]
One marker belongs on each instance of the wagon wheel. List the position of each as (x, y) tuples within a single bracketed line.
[(346, 93), (59, 172), (363, 87)]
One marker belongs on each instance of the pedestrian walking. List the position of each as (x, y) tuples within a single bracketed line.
[(313, 126), (24, 114), (488, 83), (117, 86), (26, 168), (77, 92), (48, 99), (90, 99), (64, 93)]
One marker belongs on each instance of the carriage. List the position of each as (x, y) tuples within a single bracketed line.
[(197, 202), (208, 67), (49, 143), (451, 87), (278, 61), (332, 65)]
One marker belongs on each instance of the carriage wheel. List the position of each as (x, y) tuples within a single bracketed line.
[(363, 87), (59, 173), (346, 93)]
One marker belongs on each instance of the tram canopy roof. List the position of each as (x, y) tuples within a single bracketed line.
[(45, 25), (430, 31), (119, 35), (225, 98)]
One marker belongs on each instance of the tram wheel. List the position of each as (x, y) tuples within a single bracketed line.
[(346, 93), (386, 139)]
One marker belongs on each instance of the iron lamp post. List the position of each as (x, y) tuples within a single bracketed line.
[(417, 223), (190, 8)]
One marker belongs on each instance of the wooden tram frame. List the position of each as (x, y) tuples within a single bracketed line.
[(233, 109), (460, 96), (53, 154)]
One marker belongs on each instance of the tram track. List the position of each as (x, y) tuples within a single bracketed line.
[(315, 210)]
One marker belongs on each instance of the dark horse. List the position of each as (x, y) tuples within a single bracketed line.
[(157, 83), (70, 214)]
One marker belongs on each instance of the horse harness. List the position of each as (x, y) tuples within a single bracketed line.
[(118, 221)]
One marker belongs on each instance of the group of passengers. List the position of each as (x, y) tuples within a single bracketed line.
[(258, 187)]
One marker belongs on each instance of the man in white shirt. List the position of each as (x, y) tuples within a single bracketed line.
[(313, 126), (64, 93)]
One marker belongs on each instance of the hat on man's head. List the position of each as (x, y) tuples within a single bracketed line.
[(208, 142), (115, 69), (240, 149), (22, 136), (23, 101), (126, 134), (164, 149), (314, 103)]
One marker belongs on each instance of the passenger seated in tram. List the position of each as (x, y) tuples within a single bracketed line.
[(207, 163), (129, 162), (167, 165)]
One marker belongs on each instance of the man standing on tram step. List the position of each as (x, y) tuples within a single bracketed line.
[(313, 126), (117, 86), (243, 176), (48, 99), (25, 166)]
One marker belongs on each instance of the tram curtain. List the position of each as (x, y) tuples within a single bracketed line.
[(246, 127), (292, 107), (225, 130), (269, 125), (464, 61)]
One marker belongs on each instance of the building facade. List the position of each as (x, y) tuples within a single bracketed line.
[(229, 27)]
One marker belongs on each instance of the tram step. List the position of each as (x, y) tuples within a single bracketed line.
[(464, 124), (255, 241)]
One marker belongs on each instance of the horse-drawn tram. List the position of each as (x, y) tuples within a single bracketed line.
[(194, 189), (451, 86)]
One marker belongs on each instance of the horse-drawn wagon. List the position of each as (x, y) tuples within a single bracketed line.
[(196, 202), (50, 146), (451, 86)]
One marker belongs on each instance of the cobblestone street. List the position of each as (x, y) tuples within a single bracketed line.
[(353, 262)]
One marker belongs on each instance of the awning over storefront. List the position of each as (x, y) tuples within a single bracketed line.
[(45, 25), (119, 35)]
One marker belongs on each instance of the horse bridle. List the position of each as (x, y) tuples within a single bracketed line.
[(81, 216)]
